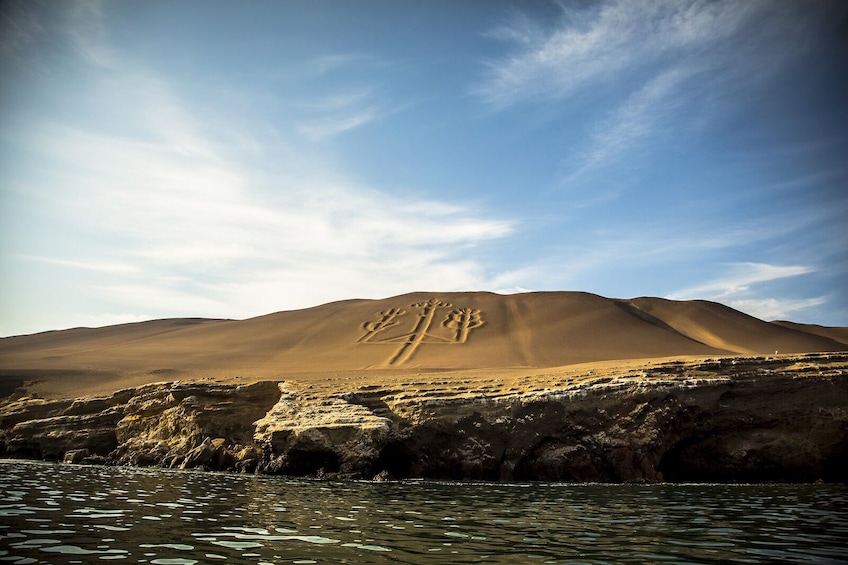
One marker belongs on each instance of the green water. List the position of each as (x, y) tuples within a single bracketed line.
[(77, 514)]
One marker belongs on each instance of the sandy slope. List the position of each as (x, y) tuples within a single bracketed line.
[(834, 333), (412, 333)]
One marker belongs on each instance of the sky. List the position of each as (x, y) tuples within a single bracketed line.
[(219, 159)]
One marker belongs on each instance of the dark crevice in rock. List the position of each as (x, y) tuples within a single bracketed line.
[(396, 459), (303, 462)]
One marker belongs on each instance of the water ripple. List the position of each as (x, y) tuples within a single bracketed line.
[(60, 514)]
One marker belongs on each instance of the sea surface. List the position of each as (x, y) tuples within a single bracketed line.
[(52, 513)]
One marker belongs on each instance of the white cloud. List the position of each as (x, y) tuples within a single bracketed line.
[(85, 30), (775, 308), (161, 296), (340, 113), (19, 28), (249, 250), (739, 280), (110, 319), (634, 120), (340, 101), (163, 214), (343, 110), (659, 66), (605, 42), (738, 288), (36, 31), (327, 63), (518, 280), (333, 125), (626, 264), (186, 228), (86, 265)]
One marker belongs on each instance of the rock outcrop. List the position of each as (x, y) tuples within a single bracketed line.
[(728, 419), (169, 424)]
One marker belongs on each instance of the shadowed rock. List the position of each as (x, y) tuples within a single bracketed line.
[(725, 419)]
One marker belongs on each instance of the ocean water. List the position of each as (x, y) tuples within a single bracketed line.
[(51, 513)]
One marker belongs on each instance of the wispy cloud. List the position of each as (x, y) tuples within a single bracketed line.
[(340, 101), (741, 287), (182, 222), (332, 62), (35, 30), (333, 125), (660, 64), (254, 248), (85, 29), (342, 110), (626, 264), (196, 231), (635, 119), (739, 279), (95, 321), (775, 308), (19, 26), (99, 266), (604, 42)]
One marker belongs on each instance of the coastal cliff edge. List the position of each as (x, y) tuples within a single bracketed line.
[(751, 419)]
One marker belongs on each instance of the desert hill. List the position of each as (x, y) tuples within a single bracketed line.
[(834, 333), (407, 334)]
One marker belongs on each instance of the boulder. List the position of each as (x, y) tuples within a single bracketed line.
[(76, 456)]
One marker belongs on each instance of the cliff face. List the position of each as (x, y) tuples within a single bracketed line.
[(166, 424), (731, 419)]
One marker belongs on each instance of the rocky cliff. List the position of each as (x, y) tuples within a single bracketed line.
[(782, 418)]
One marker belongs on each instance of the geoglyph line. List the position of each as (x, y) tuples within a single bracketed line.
[(387, 321), (414, 339), (460, 320), (463, 320)]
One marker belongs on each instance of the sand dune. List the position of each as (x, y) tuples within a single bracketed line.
[(834, 333), (419, 332), (724, 328)]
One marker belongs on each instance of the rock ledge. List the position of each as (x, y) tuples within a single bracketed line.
[(729, 419)]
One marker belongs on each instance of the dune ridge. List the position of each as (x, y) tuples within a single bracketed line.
[(410, 333)]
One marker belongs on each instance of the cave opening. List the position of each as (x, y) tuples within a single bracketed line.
[(394, 459), (301, 462), (672, 466)]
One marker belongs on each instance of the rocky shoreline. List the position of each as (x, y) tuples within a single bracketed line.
[(745, 419)]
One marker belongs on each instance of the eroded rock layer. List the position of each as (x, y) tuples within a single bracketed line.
[(729, 419)]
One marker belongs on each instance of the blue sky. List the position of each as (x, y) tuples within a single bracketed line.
[(231, 159)]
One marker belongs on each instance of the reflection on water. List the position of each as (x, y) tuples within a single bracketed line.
[(76, 514)]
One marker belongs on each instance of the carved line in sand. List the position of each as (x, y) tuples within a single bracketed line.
[(460, 320)]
